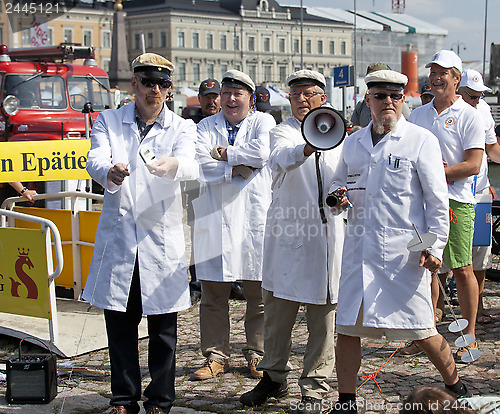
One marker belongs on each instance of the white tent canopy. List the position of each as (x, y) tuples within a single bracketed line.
[(277, 97), (187, 91)]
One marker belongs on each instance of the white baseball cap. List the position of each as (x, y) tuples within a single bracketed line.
[(446, 59), (472, 79)]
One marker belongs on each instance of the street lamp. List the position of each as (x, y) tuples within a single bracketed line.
[(485, 25), (458, 44), (301, 36)]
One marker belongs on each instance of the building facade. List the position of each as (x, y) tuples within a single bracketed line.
[(206, 38), (87, 24)]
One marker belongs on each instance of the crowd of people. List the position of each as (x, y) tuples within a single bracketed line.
[(256, 199)]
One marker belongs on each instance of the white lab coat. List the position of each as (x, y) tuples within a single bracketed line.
[(302, 256), (230, 212), (141, 217), (393, 185)]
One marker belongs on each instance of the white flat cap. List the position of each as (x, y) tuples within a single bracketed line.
[(472, 79), (238, 79), (386, 79), (446, 59), (306, 77)]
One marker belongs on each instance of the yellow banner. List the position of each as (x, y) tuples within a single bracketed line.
[(24, 286), (44, 160)]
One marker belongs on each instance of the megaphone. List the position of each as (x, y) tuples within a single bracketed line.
[(324, 128)]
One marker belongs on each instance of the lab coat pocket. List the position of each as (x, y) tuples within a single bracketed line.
[(290, 233), (397, 175), (398, 261), (207, 224)]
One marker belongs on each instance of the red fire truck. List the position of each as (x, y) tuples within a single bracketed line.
[(45, 96)]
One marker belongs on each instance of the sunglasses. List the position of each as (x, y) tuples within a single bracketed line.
[(474, 97), (381, 96), (151, 83)]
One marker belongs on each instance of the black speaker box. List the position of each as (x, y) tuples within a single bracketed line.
[(31, 379)]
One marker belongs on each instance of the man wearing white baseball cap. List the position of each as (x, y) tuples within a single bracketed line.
[(461, 136), (472, 89)]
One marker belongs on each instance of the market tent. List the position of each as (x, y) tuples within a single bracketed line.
[(187, 91), (277, 97)]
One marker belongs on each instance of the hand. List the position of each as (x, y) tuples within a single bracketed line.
[(117, 173), (344, 201), (429, 261), (308, 150), (216, 153), (163, 165), (243, 171), (223, 154), (28, 195)]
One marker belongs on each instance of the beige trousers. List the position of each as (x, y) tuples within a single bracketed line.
[(319, 356), (215, 325)]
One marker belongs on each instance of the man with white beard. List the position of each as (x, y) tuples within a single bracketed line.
[(392, 174)]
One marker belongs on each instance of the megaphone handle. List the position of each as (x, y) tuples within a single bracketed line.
[(320, 188)]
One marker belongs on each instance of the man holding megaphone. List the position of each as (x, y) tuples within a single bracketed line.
[(394, 178), (302, 251)]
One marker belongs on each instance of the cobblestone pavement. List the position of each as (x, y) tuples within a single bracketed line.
[(220, 395)]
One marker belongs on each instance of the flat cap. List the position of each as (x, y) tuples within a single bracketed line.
[(372, 67), (209, 86), (386, 79), (306, 77), (472, 79), (262, 99), (153, 66), (238, 79), (446, 59)]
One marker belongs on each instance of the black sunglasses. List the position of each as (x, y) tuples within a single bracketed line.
[(474, 97), (150, 83), (381, 96)]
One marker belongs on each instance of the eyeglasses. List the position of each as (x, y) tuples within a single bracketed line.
[(307, 95), (381, 96), (151, 83), (474, 97)]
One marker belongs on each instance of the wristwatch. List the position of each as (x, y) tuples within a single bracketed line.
[(23, 190)]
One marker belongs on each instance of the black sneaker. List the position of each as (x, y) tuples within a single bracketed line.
[(266, 388), (309, 405), (463, 392)]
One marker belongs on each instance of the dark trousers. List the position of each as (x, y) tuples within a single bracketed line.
[(123, 342)]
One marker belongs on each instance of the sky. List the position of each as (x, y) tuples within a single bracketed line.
[(464, 19)]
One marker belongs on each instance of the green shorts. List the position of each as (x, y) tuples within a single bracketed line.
[(458, 251)]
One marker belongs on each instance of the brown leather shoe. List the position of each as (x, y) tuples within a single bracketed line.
[(120, 409), (252, 366), (155, 410), (210, 369)]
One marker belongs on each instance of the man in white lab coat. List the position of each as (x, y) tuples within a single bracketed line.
[(230, 214), (303, 248), (139, 264), (394, 178)]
